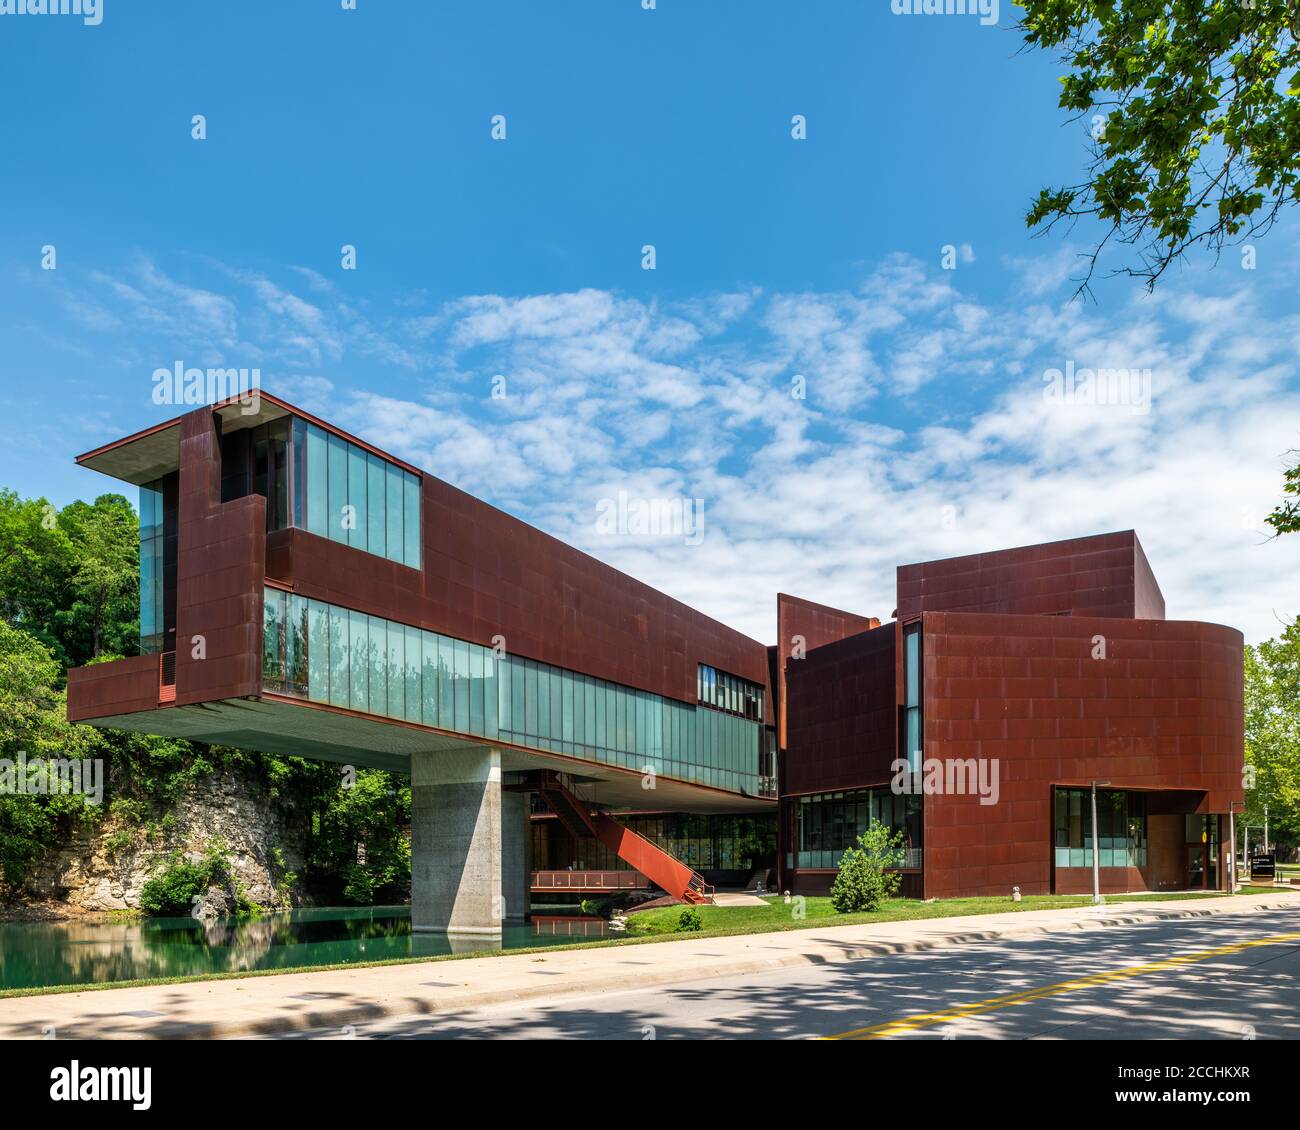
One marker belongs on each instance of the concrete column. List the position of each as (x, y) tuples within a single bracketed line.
[(516, 842), (456, 842)]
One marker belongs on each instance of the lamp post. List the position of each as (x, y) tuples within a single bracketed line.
[(1232, 839), (1096, 851)]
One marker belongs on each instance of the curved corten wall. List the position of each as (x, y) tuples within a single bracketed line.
[(1161, 708)]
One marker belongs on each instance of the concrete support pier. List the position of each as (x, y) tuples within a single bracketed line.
[(456, 857)]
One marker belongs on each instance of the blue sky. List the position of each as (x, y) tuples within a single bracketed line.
[(925, 430)]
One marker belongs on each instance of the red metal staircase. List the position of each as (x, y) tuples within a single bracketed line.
[(652, 861)]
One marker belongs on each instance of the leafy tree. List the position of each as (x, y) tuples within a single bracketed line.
[(1286, 518), (105, 609), (358, 846), (865, 879), (1273, 734), (36, 558), (1195, 108), (71, 577), (33, 721)]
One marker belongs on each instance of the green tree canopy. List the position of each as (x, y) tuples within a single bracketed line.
[(1273, 734), (1286, 518), (1195, 114), (70, 578)]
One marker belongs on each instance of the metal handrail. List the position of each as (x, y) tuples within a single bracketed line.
[(589, 880)]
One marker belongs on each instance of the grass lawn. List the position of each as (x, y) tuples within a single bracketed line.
[(818, 911)]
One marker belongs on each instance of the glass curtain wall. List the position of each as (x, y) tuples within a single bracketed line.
[(355, 497), (912, 728), (158, 501), (318, 481), (1121, 828), (729, 692), (827, 824), (330, 654)]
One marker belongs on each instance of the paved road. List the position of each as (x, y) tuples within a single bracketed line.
[(1233, 977)]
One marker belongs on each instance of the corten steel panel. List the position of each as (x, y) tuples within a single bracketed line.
[(220, 554), (1162, 711), (122, 686), (1103, 575), (813, 626), (487, 574), (843, 713), (1148, 600)]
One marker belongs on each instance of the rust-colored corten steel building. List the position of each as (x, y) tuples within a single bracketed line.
[(563, 724), (1009, 683)]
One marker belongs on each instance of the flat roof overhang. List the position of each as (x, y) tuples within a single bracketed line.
[(156, 451), (273, 724)]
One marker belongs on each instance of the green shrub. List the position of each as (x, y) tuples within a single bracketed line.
[(864, 880), (171, 892), (359, 885), (689, 921)]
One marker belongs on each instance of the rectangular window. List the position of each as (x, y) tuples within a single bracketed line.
[(358, 536), (273, 639), (395, 543), (1121, 828), (396, 670), (377, 663), (913, 737), (728, 693), (338, 488), (340, 672), (411, 520), (412, 659), (462, 685), (377, 509), (318, 651), (359, 659), (318, 503), (429, 678)]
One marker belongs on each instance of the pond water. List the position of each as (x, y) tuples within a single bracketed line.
[(36, 954)]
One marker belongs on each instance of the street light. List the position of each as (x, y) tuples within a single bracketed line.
[(1096, 853), (1232, 837)]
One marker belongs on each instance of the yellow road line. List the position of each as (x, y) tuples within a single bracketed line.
[(994, 1004)]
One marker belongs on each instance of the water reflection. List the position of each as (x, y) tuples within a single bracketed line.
[(35, 954)]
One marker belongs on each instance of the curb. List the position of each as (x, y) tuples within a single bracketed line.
[(578, 984)]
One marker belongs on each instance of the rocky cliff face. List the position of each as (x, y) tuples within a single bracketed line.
[(100, 871)]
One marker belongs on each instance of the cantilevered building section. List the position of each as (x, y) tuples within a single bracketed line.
[(305, 593), (569, 728)]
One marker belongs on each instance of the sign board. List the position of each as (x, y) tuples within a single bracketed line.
[(1263, 864)]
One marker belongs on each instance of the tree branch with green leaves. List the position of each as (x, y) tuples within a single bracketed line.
[(1196, 105)]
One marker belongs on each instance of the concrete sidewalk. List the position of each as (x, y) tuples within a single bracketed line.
[(286, 1002)]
